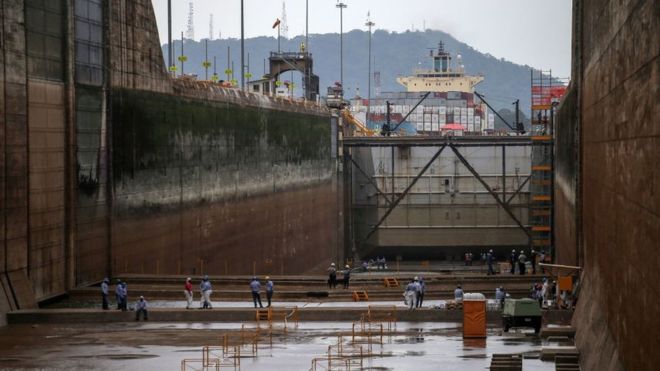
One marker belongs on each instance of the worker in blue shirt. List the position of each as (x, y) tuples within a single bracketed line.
[(347, 276), (269, 289), (490, 259), (499, 296), (104, 292), (118, 293), (421, 290), (206, 291), (124, 296), (141, 308), (411, 294), (255, 287), (458, 294)]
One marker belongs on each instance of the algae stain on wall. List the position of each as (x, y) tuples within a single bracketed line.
[(170, 150)]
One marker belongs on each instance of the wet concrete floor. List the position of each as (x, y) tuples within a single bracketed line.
[(162, 346)]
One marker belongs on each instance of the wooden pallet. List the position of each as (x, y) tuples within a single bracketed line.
[(360, 296), (390, 282), (263, 315)]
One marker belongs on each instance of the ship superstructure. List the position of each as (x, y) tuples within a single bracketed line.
[(450, 108), (442, 77)]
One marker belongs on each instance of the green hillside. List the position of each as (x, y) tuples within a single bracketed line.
[(393, 54)]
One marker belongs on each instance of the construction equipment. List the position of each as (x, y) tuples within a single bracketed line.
[(359, 128), (335, 97), (521, 313)]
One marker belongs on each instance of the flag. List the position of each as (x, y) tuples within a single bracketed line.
[(277, 23)]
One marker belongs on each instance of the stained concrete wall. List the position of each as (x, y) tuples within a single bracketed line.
[(612, 196), (211, 186)]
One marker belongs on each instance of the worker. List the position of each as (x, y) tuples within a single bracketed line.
[(104, 293), (538, 293), (458, 294), (347, 275), (123, 295), (532, 257), (545, 290), (542, 260), (521, 262), (141, 308), (490, 259), (269, 290), (188, 291), (513, 260), (206, 290), (332, 276), (499, 296), (255, 287), (420, 293), (411, 294), (118, 293)]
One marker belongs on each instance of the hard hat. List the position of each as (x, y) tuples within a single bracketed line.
[(254, 277), (347, 266), (267, 277), (513, 250), (206, 277), (141, 297), (188, 279), (491, 250), (416, 278), (332, 264)]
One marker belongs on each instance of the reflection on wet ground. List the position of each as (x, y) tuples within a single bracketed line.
[(162, 346)]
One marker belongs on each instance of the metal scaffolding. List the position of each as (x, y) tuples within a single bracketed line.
[(546, 92)]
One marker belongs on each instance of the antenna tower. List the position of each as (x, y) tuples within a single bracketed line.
[(211, 26), (284, 26), (190, 31)]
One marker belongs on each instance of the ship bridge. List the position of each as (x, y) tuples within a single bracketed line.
[(442, 77)]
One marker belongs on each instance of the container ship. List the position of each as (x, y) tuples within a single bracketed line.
[(450, 107)]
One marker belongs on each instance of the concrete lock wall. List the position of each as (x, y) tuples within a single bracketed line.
[(110, 166), (608, 184)]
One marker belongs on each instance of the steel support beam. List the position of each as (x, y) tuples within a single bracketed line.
[(371, 181), (430, 141), (405, 192), (490, 190), (519, 189)]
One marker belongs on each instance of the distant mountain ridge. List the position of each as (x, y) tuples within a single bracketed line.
[(393, 54)]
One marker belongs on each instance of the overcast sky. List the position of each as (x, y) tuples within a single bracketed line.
[(532, 32)]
